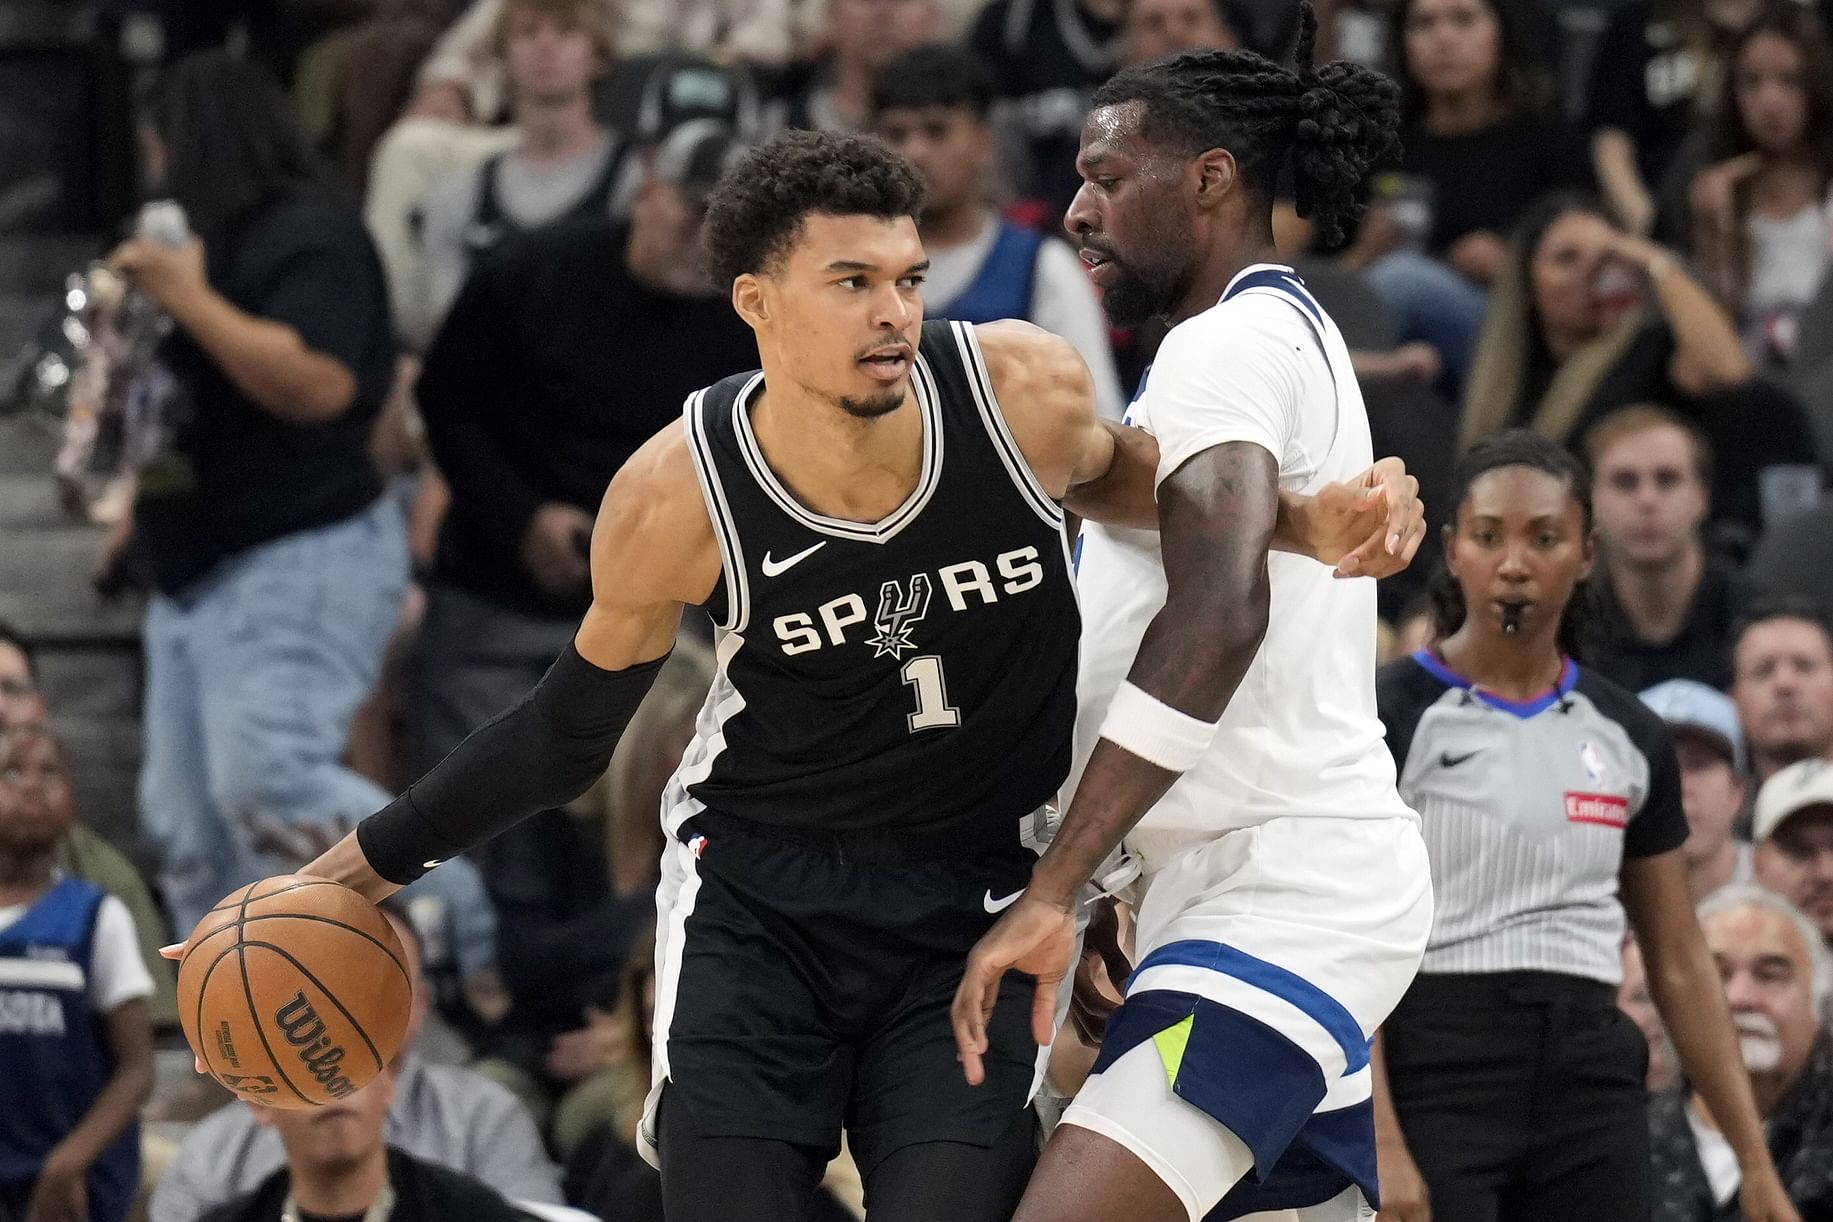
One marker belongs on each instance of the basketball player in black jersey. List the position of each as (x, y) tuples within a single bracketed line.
[(875, 521)]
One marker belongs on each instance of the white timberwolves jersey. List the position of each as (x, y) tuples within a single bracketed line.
[(1301, 736)]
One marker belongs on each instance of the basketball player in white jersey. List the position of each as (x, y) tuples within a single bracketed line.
[(1227, 726)]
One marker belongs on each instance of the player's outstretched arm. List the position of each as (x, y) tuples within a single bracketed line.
[(1217, 513), (1369, 526), (652, 551)]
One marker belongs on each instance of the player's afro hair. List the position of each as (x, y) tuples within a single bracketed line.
[(758, 208)]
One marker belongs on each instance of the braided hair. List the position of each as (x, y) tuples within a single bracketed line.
[(1581, 622), (1334, 121)]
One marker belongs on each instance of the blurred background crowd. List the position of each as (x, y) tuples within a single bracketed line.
[(298, 465)]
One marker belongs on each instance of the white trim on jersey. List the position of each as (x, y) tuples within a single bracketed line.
[(43, 974), (886, 528), (680, 884), (723, 702), (993, 416), (731, 548)]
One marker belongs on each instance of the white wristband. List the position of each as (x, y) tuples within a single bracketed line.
[(1154, 731)]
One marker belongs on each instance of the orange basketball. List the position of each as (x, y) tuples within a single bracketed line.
[(294, 992)]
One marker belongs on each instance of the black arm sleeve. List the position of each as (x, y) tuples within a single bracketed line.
[(542, 753)]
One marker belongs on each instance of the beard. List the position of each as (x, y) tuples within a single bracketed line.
[(1134, 298), (1759, 1043), (872, 406)]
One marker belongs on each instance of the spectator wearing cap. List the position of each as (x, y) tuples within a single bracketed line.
[(1667, 606), (1782, 667), (563, 354), (1793, 828), (1710, 746), (931, 105), (563, 163), (1777, 981)]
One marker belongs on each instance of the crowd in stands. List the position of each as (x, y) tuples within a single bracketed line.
[(448, 278)]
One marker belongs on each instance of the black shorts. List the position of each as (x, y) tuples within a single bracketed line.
[(1521, 1096), (803, 983)]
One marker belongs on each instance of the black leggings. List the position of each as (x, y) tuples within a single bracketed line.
[(720, 1179), (1521, 1097)]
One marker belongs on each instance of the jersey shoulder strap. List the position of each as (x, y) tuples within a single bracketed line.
[(971, 406), (719, 468)]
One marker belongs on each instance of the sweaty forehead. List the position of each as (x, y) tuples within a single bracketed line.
[(1112, 133)]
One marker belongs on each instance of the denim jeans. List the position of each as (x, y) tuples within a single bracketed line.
[(252, 676), (1434, 304)]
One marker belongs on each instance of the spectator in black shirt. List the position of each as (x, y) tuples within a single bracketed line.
[(1480, 141), (564, 353), (1587, 318), (278, 565), (1651, 84), (1668, 606), (339, 1170)]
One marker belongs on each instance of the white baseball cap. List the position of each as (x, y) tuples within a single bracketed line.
[(1793, 789)]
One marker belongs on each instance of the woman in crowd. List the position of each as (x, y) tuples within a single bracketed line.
[(1481, 134), (277, 563), (1480, 139), (1508, 1085), (1761, 216), (1654, 79), (1587, 318)]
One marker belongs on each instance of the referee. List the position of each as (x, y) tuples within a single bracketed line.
[(1508, 1086)]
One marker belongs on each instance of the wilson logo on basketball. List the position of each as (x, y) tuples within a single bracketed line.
[(1607, 809), (304, 1030)]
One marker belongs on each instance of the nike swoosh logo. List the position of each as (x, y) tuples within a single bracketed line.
[(776, 568), (993, 905), (1448, 760), (431, 865)]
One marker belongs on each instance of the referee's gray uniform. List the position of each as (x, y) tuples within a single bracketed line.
[(1517, 1082)]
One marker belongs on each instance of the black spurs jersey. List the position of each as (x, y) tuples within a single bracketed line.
[(917, 673)]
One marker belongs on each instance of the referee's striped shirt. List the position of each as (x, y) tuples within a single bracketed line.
[(1528, 811)]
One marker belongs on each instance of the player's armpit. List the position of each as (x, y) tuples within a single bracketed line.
[(1048, 399), (653, 550)]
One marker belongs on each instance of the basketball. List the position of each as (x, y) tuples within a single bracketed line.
[(294, 992)]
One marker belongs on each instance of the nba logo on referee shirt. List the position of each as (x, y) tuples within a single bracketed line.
[(697, 846)]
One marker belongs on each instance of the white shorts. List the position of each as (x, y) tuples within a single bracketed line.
[(1267, 959)]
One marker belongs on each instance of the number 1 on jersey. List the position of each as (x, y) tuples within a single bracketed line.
[(933, 710)]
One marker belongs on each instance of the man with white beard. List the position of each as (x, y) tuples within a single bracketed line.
[(1778, 976)]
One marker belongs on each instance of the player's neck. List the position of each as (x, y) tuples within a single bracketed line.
[(1222, 266), (835, 463), (343, 1190), (1517, 670)]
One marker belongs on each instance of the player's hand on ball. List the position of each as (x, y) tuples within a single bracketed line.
[(1035, 937), (61, 1193)]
